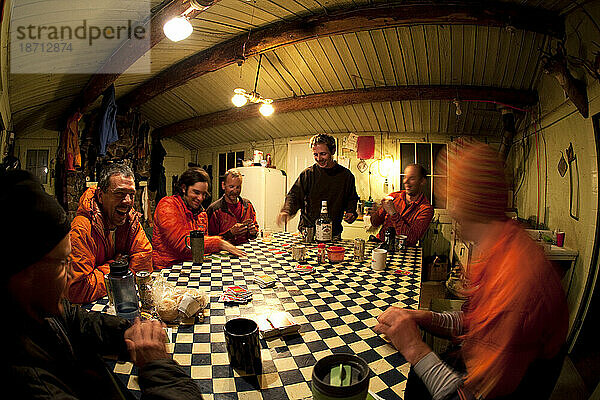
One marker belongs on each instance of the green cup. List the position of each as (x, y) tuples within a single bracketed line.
[(340, 376)]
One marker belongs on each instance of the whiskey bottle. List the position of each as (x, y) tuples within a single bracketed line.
[(323, 226)]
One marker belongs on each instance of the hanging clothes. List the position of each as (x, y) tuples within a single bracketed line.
[(108, 124), (158, 180), (70, 143)]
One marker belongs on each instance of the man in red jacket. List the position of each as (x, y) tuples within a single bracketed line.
[(105, 229), (408, 210), (232, 216), (177, 215)]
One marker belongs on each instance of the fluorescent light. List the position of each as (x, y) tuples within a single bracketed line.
[(178, 28), (266, 109)]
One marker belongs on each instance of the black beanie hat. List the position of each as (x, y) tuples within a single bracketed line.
[(33, 222)]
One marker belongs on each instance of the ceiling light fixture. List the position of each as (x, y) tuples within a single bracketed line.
[(241, 97), (180, 27)]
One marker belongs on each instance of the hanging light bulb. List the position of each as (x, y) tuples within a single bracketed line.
[(178, 28), (266, 109), (386, 165), (239, 99)]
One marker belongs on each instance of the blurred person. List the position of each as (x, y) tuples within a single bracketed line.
[(175, 216), (54, 349), (408, 211), (106, 228), (324, 180), (512, 328), (232, 217)]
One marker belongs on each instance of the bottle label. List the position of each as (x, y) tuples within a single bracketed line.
[(324, 232)]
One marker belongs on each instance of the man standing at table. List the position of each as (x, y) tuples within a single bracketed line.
[(513, 325), (105, 229), (408, 210), (53, 349), (177, 215), (324, 180), (232, 217)]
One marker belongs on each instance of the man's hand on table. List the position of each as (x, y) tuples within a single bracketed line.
[(252, 227), (400, 326), (225, 245), (145, 341), (238, 229)]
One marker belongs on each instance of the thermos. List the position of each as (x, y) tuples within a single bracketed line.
[(196, 245), (122, 286), (390, 240)]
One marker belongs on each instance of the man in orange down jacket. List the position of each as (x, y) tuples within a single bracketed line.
[(513, 325), (177, 215), (408, 210), (105, 229), (232, 216)]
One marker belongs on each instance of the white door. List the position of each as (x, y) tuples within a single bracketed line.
[(299, 157)]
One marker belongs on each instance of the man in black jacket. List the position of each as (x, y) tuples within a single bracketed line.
[(324, 180), (54, 350)]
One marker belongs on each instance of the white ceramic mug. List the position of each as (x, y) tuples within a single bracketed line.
[(378, 259)]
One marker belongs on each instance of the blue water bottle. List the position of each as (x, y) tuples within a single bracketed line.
[(122, 286)]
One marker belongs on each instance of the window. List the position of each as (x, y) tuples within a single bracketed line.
[(226, 162), (426, 154), (37, 164)]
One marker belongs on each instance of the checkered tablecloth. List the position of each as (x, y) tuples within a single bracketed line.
[(336, 306)]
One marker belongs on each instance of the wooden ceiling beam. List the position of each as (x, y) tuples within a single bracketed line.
[(131, 51), (505, 15), (356, 96)]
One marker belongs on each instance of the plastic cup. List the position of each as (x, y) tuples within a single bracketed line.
[(378, 259)]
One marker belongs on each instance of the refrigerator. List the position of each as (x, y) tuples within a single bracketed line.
[(266, 190)]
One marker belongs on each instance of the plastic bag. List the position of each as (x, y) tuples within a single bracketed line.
[(175, 303)]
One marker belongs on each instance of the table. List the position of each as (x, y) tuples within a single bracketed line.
[(337, 307)]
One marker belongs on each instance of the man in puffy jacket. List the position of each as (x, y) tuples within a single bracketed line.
[(105, 229), (54, 349), (177, 215), (232, 216)]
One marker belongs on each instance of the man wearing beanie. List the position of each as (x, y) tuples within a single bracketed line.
[(513, 325), (54, 349), (105, 229)]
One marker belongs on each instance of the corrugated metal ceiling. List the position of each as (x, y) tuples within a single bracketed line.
[(412, 55)]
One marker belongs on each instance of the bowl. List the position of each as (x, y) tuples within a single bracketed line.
[(335, 253)]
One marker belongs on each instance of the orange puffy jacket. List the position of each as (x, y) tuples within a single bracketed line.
[(173, 221), (91, 252)]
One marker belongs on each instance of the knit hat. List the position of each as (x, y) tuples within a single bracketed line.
[(33, 222), (477, 187)]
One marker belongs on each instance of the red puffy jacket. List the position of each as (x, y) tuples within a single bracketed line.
[(173, 221), (220, 220), (91, 252)]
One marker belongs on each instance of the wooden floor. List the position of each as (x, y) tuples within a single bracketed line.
[(569, 386)]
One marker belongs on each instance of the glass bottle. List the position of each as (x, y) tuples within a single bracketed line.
[(122, 286), (323, 226)]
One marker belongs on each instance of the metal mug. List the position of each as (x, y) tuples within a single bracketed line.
[(308, 234), (195, 242), (299, 252)]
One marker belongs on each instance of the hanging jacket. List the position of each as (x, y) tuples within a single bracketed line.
[(221, 219), (61, 358), (108, 124), (173, 221), (70, 143), (91, 250)]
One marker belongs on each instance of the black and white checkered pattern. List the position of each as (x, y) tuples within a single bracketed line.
[(337, 307)]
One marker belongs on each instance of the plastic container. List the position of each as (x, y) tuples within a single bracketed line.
[(122, 286), (335, 253)]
